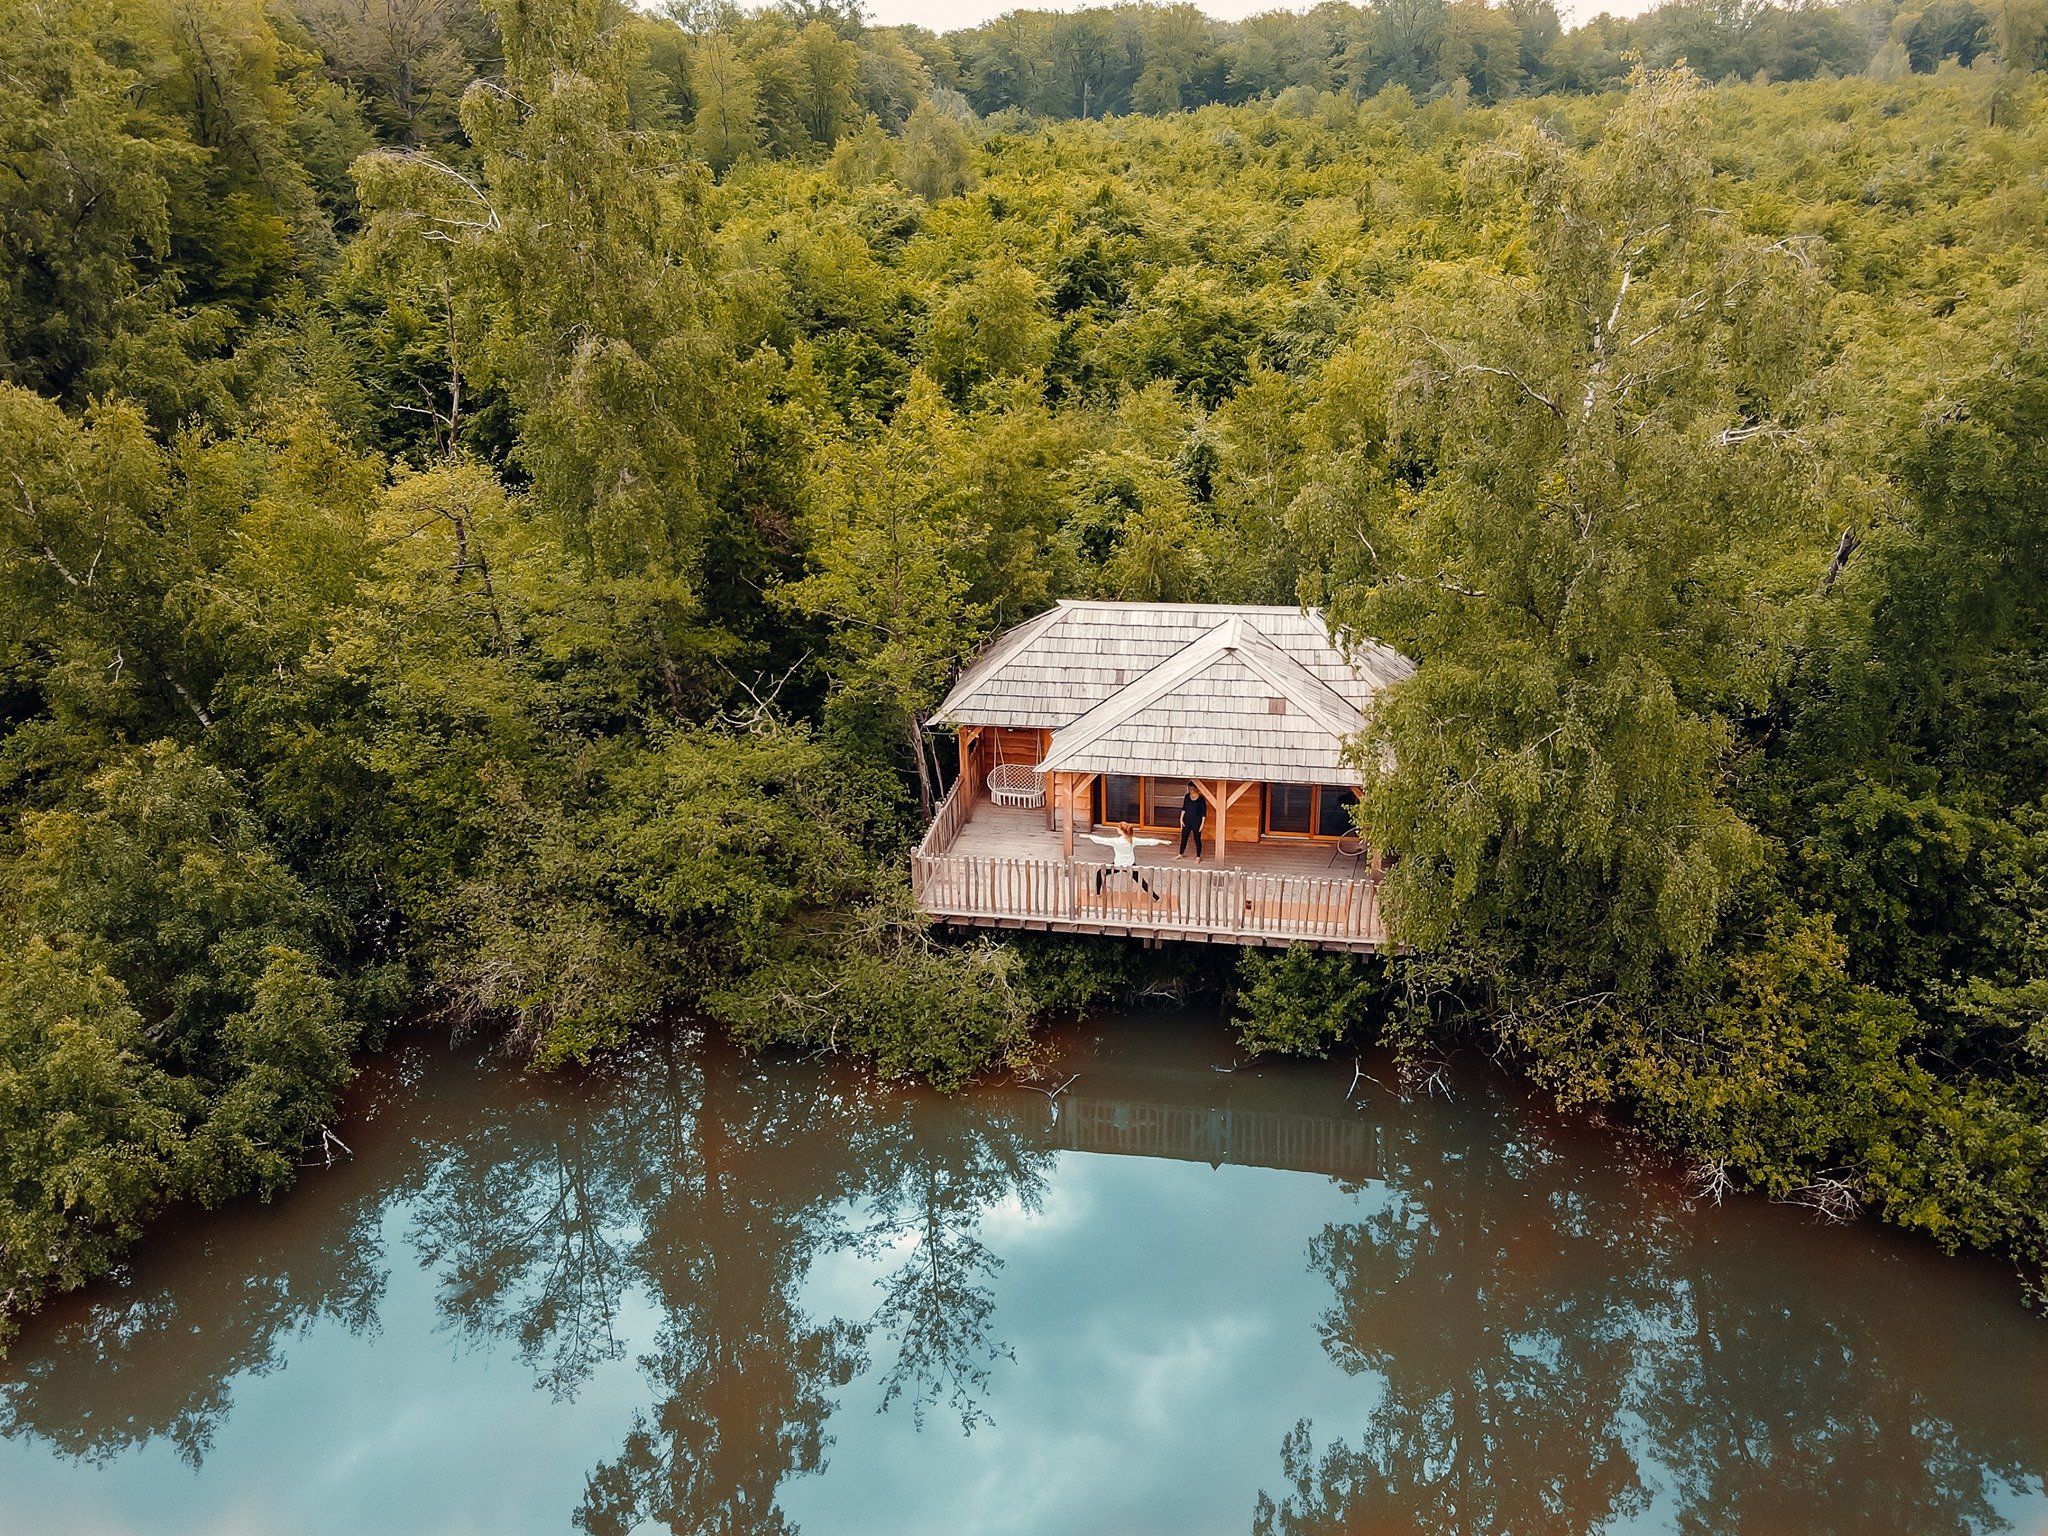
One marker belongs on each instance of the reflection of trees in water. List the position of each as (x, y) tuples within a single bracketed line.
[(520, 1222), (1500, 1309), (111, 1377), (1858, 1410), (769, 1174), (153, 1353), (711, 1186), (1556, 1351), (928, 1180), (704, 1184), (1557, 1346), (743, 1377)]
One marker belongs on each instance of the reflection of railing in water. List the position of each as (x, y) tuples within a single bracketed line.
[(1346, 1147)]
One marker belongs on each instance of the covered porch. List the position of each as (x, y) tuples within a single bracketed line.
[(994, 866)]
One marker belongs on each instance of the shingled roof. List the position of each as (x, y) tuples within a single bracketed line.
[(1180, 688)]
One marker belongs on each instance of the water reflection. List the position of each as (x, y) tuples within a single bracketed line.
[(1522, 1326), (1563, 1346), (742, 1377), (119, 1367)]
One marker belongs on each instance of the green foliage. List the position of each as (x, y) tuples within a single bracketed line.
[(1718, 791), (90, 1133), (1580, 572), (168, 1028), (874, 981), (1067, 974), (653, 882), (1302, 1001)]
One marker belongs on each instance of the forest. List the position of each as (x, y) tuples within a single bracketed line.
[(489, 493)]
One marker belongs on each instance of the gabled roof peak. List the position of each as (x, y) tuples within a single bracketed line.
[(1209, 678), (1056, 667)]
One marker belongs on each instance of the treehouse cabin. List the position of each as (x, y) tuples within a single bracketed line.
[(1100, 715)]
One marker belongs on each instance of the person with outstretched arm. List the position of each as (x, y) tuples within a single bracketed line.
[(1194, 810), (1123, 853)]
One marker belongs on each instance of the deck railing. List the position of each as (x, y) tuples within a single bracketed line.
[(1219, 902), (1215, 903), (954, 809)]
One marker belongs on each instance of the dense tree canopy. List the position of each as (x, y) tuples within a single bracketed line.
[(489, 492)]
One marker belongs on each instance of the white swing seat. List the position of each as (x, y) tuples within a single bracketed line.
[(1014, 784)]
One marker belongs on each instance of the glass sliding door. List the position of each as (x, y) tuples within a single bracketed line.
[(1291, 809), (1122, 797), (1333, 810), (1309, 810), (1162, 802)]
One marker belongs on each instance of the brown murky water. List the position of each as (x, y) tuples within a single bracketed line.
[(704, 1294)]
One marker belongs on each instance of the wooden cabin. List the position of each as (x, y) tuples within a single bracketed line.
[(1108, 713)]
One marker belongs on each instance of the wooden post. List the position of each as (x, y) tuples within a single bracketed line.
[(1067, 821), (968, 738), (1052, 814), (1213, 790), (1052, 801), (1225, 802)]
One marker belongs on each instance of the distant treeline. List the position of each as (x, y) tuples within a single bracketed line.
[(1144, 58), (800, 77)]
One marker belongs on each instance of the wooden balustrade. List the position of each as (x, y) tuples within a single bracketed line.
[(1208, 903), (951, 816)]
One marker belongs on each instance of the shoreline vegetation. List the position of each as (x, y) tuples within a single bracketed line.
[(487, 494)]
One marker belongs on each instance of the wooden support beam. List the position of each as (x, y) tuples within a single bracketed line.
[(1221, 798), (967, 738), (1052, 801), (1213, 793)]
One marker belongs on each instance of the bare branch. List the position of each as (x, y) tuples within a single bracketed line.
[(205, 720), (421, 158), (1843, 550), (1442, 583), (1520, 383)]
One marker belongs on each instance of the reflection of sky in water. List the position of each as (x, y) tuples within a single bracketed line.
[(1163, 1317), (1157, 1332), (403, 1429)]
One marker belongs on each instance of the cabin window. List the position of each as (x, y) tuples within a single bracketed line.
[(1142, 801), (1290, 808), (1309, 810), (1162, 801), (1121, 797)]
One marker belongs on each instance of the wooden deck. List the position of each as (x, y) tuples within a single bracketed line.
[(990, 866)]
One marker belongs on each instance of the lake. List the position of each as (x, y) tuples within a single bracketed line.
[(700, 1292)]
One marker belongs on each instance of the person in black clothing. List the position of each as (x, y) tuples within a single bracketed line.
[(1194, 810)]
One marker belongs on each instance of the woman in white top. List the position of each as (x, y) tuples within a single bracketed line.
[(1123, 849)]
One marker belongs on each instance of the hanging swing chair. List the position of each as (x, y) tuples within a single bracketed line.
[(1017, 784)]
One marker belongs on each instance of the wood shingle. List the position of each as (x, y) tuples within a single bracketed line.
[(1169, 689)]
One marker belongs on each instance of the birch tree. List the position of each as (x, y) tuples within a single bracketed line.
[(1593, 450)]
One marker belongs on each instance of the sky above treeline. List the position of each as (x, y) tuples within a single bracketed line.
[(943, 15)]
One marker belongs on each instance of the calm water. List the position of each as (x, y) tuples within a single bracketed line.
[(710, 1295)]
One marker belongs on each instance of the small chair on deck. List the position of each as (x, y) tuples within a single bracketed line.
[(1015, 784), (1350, 846)]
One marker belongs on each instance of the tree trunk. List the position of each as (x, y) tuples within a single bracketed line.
[(924, 774)]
